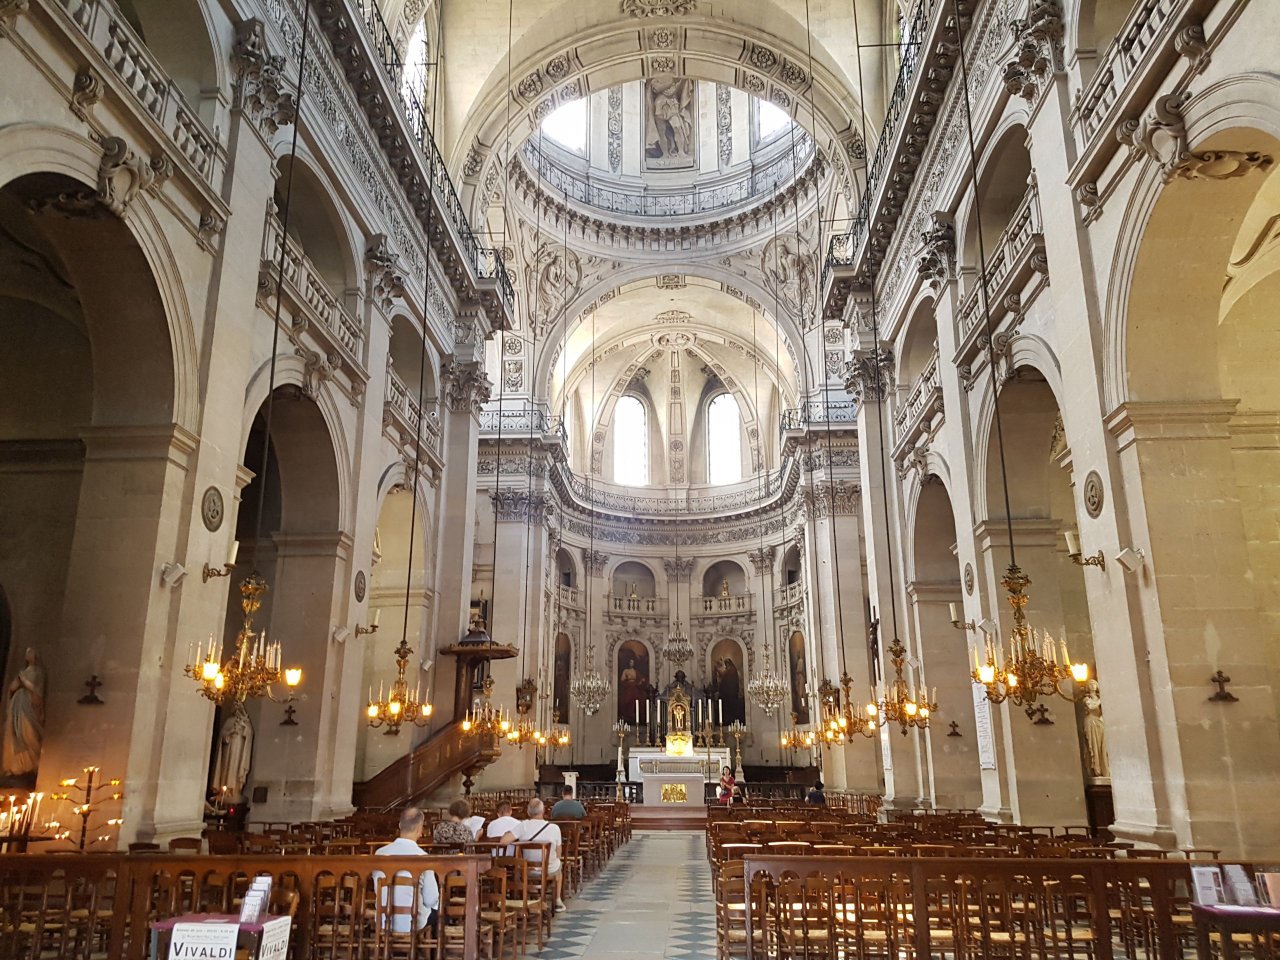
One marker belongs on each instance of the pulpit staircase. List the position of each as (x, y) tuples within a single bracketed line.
[(426, 768)]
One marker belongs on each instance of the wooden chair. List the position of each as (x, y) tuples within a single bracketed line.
[(186, 845), (396, 932), (453, 913), (495, 912)]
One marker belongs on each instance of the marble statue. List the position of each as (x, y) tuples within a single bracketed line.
[(25, 718), (235, 753), (1095, 734)]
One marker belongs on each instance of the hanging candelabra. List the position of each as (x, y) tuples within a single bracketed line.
[(588, 689), (900, 703), (253, 668), (398, 706), (678, 650), (766, 688), (1034, 666), (485, 719), (797, 738), (843, 719)]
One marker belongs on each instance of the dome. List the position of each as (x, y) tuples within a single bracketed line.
[(666, 147)]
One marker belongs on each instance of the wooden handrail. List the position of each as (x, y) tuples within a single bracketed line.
[(127, 892), (425, 768)]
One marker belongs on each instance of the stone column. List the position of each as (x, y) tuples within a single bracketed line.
[(466, 388)]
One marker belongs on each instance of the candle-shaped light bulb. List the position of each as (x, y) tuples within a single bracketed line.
[(954, 609), (377, 615), (1073, 542), (233, 553)]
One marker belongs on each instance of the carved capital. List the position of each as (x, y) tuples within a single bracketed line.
[(467, 387), (868, 374), (516, 504), (762, 559), (679, 569), (594, 562), (832, 499), (938, 249), (259, 79), (1037, 50)]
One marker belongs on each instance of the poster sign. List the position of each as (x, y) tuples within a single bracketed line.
[(982, 723), (275, 938), (204, 941)]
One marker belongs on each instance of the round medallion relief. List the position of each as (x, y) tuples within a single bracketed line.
[(361, 583), (968, 579), (211, 509), (1094, 497)]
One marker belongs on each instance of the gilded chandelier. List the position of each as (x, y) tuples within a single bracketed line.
[(842, 720), (766, 688), (253, 668), (908, 708), (797, 739), (1035, 667), (399, 705), (678, 650), (484, 719)]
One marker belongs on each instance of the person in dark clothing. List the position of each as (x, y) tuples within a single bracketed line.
[(567, 808), (816, 798)]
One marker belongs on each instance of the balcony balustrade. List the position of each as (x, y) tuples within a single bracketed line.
[(121, 53), (922, 402), (739, 603), (308, 288), (640, 606), (402, 404), (789, 594)]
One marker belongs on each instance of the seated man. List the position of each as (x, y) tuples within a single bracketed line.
[(567, 808), (537, 830), (406, 845), (504, 827), (815, 797)]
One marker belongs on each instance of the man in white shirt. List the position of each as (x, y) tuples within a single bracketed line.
[(537, 829), (406, 845), (504, 827)]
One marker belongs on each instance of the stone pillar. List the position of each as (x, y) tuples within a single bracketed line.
[(466, 388), (1198, 614), (1042, 773), (117, 622), (954, 776), (296, 765)]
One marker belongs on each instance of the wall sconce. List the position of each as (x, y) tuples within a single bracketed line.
[(1073, 548), (373, 627), (208, 573), (1131, 559), (959, 624)]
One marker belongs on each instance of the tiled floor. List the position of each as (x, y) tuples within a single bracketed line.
[(653, 901)]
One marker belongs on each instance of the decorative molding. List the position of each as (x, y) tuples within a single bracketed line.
[(259, 79), (514, 504), (9, 11), (86, 90), (832, 499), (1161, 135), (209, 228), (212, 509), (724, 125), (317, 369), (1190, 42), (658, 8), (1094, 494), (122, 175), (614, 124)]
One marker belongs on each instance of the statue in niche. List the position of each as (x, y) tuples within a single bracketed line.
[(724, 589), (25, 720), (235, 754), (670, 132), (1095, 733)]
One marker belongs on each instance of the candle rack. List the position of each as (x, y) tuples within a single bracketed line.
[(87, 801), (19, 821)]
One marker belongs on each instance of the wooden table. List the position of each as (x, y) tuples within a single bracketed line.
[(1226, 919)]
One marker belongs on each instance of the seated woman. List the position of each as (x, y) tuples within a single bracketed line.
[(724, 790), (454, 830)]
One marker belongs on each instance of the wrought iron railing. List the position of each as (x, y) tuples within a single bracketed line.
[(647, 201), (817, 412), (521, 418), (438, 173), (747, 495)]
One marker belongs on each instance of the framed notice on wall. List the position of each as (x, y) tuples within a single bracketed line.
[(204, 941), (982, 723)]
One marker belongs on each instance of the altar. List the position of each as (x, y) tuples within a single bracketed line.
[(675, 773)]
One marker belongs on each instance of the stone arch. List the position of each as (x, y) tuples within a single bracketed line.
[(37, 149), (724, 569), (635, 570), (182, 36), (318, 222), (917, 340), (1004, 174)]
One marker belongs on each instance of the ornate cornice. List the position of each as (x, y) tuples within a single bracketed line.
[(1037, 46)]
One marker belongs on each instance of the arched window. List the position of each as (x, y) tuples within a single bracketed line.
[(630, 443), (567, 125), (413, 80), (724, 440)]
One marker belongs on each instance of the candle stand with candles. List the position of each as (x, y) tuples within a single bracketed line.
[(20, 822), (87, 800)]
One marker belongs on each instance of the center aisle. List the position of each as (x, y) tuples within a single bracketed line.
[(653, 901)]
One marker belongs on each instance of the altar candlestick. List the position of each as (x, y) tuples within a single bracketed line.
[(720, 711), (646, 713), (699, 713), (637, 713)]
